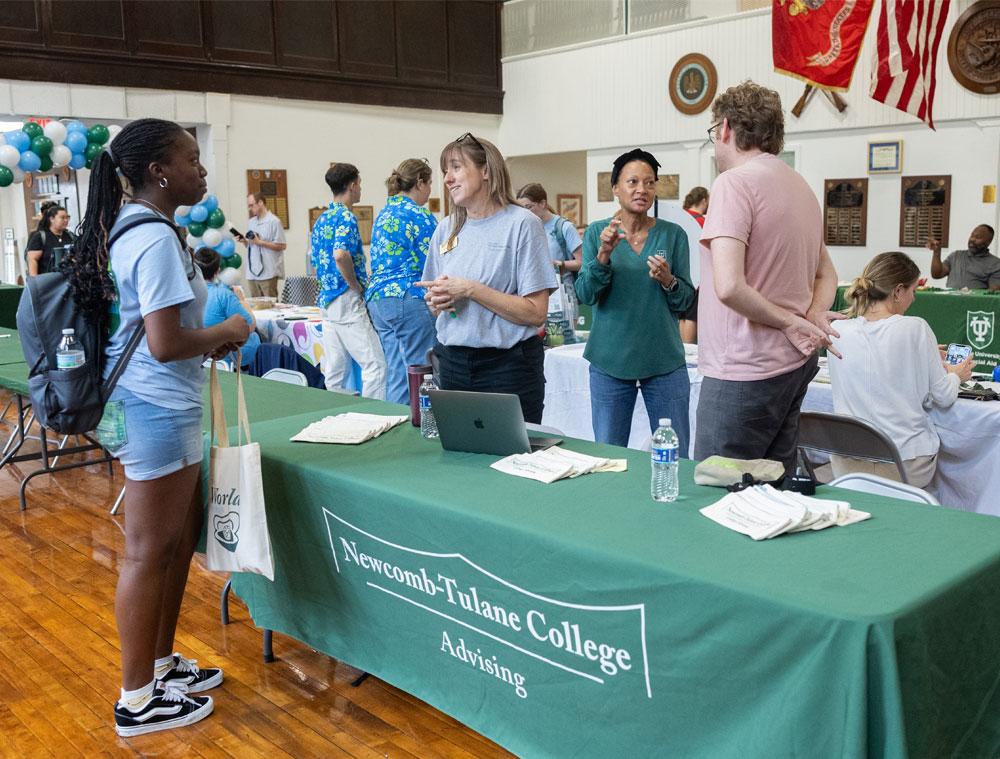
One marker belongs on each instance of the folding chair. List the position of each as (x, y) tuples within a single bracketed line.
[(863, 482), (289, 376), (843, 435)]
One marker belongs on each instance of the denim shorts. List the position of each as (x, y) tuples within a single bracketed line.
[(150, 441)]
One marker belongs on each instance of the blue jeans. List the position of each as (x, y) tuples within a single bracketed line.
[(612, 402), (406, 330)]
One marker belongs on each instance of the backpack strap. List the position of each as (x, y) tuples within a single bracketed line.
[(561, 237), (140, 330)]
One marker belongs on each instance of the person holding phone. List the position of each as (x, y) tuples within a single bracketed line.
[(265, 241), (891, 372), (635, 274)]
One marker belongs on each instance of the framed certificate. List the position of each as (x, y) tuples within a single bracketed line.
[(885, 157)]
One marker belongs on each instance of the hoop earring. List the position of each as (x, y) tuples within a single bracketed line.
[(163, 182)]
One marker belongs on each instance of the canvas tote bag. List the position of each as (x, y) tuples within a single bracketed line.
[(237, 520)]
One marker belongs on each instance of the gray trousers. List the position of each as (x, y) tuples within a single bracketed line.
[(758, 419)]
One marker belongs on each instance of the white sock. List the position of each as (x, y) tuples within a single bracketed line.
[(164, 665), (134, 700)]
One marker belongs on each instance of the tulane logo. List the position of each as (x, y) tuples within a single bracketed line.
[(979, 328), (227, 530)]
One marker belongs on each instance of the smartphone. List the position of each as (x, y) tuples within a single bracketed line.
[(235, 232), (957, 353)]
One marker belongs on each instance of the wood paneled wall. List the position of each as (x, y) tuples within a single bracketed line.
[(438, 54)]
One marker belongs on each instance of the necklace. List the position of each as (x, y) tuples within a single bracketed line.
[(153, 206)]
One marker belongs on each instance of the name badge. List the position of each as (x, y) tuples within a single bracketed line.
[(448, 245)]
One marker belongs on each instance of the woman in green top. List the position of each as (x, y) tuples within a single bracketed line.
[(635, 274)]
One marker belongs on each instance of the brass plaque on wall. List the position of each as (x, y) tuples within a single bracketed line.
[(845, 211), (924, 210)]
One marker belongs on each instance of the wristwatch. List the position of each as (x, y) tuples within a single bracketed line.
[(671, 287)]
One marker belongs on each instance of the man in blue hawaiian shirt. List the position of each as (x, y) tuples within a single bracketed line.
[(340, 268)]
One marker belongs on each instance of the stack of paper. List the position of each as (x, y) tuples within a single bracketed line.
[(349, 428), (556, 464), (763, 512)]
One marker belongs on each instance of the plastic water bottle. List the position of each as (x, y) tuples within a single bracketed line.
[(665, 486), (70, 354), (428, 424)]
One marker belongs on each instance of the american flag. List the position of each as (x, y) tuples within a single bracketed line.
[(907, 39)]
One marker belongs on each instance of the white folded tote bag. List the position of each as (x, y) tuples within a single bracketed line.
[(237, 520)]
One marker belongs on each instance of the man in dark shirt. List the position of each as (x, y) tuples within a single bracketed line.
[(973, 268)]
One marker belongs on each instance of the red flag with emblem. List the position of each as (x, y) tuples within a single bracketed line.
[(818, 41)]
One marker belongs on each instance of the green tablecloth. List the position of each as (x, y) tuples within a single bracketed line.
[(582, 619), (10, 296), (971, 319)]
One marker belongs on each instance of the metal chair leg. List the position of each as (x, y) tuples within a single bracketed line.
[(224, 601), (268, 649), (360, 679), (118, 502)]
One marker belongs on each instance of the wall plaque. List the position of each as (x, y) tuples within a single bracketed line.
[(604, 194), (693, 82), (668, 187), (273, 184), (972, 48), (924, 210), (845, 211)]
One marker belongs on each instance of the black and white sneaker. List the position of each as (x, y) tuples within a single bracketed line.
[(186, 672), (168, 707)]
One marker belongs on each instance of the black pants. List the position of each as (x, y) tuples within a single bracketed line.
[(519, 370)]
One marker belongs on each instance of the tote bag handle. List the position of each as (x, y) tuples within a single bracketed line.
[(219, 426)]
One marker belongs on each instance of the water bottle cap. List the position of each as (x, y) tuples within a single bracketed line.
[(69, 331), (428, 376), (665, 422)]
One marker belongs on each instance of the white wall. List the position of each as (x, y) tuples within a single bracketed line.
[(613, 97), (558, 173), (237, 133)]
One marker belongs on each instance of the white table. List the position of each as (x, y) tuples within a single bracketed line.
[(968, 472)]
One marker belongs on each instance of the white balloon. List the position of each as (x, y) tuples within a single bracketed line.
[(55, 131), (230, 276), (212, 237), (182, 211), (194, 242), (113, 130), (9, 156), (18, 175), (60, 156)]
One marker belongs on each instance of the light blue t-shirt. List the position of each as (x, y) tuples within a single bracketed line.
[(223, 303), (153, 272), (556, 251), (505, 251)]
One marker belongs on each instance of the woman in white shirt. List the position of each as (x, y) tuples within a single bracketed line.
[(891, 373)]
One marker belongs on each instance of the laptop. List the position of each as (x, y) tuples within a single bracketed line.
[(483, 423)]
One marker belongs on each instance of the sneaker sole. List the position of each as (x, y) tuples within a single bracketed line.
[(212, 682), (188, 719)]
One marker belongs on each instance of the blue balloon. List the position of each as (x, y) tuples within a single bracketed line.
[(210, 202), (76, 141), (19, 140), (29, 162), (182, 219), (78, 161), (226, 248), (75, 126), (199, 213)]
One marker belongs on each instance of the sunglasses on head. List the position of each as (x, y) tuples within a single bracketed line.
[(472, 137)]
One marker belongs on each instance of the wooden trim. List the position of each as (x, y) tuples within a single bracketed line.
[(159, 73)]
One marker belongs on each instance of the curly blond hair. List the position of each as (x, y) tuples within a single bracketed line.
[(754, 114)]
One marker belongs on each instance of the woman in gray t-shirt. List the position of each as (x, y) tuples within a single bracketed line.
[(488, 278)]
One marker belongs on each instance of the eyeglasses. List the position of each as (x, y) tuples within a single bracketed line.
[(471, 136), (711, 129)]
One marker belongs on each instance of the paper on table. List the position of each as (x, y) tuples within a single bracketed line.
[(555, 464), (349, 428)]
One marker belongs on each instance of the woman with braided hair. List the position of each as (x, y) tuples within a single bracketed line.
[(152, 422), (891, 372)]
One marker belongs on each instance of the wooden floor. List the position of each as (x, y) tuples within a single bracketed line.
[(59, 663)]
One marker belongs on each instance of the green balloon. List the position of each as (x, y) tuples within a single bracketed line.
[(46, 163), (41, 146), (7, 176), (89, 163), (234, 261), (196, 228), (97, 134), (32, 129), (216, 219), (93, 150)]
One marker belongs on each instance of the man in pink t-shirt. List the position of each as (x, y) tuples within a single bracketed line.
[(768, 284)]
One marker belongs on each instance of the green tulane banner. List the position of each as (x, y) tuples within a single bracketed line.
[(519, 640)]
